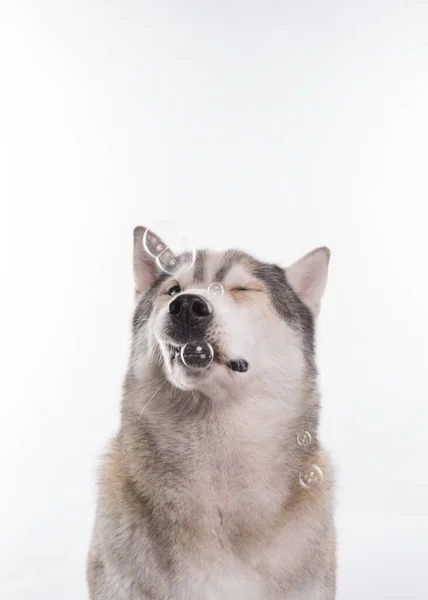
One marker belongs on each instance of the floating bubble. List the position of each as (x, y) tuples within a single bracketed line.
[(304, 438), (172, 253), (215, 289), (197, 354), (312, 478), (157, 237)]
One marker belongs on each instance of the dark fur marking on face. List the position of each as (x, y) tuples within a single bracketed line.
[(288, 304), (145, 306), (199, 267), (230, 258)]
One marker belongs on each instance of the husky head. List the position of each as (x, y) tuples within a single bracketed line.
[(259, 322)]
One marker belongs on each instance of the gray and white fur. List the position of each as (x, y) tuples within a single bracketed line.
[(199, 493)]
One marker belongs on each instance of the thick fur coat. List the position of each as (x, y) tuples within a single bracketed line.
[(216, 486)]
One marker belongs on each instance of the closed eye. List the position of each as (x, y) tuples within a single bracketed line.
[(244, 289)]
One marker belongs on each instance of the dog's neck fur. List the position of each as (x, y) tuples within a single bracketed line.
[(240, 457)]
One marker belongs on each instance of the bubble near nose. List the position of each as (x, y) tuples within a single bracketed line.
[(172, 253), (312, 478), (216, 289), (304, 438), (197, 354)]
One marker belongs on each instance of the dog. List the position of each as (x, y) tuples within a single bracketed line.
[(216, 486)]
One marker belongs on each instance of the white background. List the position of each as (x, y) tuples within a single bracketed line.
[(272, 126)]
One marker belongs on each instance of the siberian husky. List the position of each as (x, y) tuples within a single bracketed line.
[(216, 486)]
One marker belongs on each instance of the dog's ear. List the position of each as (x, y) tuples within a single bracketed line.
[(146, 267), (308, 277)]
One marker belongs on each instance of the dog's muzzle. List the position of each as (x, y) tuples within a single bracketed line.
[(190, 316)]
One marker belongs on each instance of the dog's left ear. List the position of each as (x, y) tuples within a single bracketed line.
[(308, 277), (146, 268)]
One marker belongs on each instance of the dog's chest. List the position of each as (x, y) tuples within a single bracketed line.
[(224, 530), (213, 584), (227, 562), (214, 571), (233, 534)]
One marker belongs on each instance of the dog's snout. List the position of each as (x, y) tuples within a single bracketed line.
[(190, 310)]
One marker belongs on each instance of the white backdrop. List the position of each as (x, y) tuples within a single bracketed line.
[(273, 126)]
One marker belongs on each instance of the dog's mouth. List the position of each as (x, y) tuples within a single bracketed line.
[(194, 357), (199, 357)]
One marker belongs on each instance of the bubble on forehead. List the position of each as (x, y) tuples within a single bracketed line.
[(215, 289), (173, 253)]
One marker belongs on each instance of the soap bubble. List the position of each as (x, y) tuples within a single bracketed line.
[(197, 354), (304, 438), (173, 253), (157, 237), (312, 478), (215, 289)]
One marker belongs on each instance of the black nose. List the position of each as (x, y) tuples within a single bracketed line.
[(190, 314)]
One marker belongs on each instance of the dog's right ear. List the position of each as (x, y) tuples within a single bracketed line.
[(308, 277), (146, 269)]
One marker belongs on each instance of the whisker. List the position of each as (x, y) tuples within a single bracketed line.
[(161, 385)]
